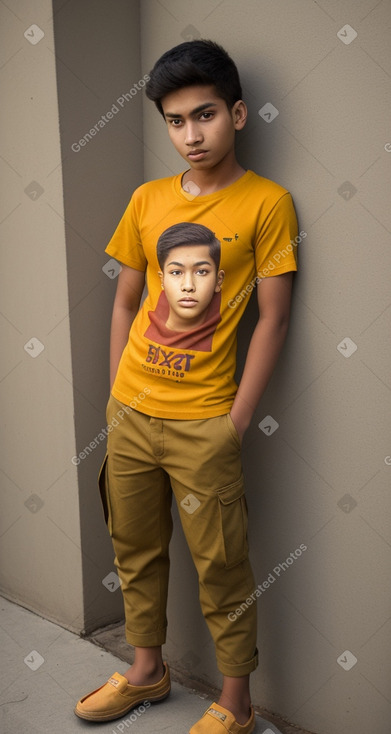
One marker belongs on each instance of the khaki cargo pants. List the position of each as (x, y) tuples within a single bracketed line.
[(198, 461)]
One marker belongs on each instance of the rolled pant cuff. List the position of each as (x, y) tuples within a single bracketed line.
[(235, 671), (151, 639)]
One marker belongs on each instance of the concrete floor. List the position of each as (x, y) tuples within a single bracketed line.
[(44, 670)]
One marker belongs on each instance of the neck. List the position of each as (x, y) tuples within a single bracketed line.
[(213, 179)]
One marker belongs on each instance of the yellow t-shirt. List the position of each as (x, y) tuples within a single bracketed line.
[(190, 375)]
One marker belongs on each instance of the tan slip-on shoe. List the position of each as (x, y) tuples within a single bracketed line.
[(116, 697), (218, 720)]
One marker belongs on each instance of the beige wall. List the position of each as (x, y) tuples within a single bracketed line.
[(40, 527), (333, 411), (54, 551), (98, 62), (322, 478)]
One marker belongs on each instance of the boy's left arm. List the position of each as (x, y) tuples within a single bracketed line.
[(274, 299)]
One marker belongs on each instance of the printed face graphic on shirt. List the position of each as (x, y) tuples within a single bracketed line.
[(188, 309), (189, 280)]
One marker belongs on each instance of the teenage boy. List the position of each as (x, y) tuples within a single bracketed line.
[(184, 438)]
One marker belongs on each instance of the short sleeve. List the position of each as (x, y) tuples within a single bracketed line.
[(125, 244), (276, 246)]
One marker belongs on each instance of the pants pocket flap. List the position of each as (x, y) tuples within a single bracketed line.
[(231, 492)]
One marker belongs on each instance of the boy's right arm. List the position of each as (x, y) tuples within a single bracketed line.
[(126, 305)]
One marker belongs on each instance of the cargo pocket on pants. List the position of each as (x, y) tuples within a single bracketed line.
[(104, 493), (233, 515)]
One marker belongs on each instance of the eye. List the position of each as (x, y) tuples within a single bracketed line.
[(202, 271), (175, 272), (175, 122), (207, 115)]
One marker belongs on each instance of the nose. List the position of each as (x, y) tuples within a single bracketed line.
[(193, 134), (187, 283)]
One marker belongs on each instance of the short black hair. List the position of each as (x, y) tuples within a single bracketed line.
[(194, 63), (187, 233)]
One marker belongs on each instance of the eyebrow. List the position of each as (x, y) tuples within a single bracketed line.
[(200, 108), (201, 262)]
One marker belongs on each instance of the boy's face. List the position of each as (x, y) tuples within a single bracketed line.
[(189, 279), (201, 126)]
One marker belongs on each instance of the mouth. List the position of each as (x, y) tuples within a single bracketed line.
[(197, 155), (187, 302)]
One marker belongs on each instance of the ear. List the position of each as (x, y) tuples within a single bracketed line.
[(239, 114), (161, 276), (219, 281)]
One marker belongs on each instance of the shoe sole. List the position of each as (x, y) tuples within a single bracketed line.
[(111, 717)]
